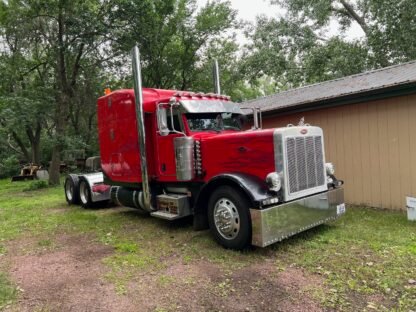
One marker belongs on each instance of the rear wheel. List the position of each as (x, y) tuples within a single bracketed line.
[(71, 188), (229, 217), (85, 194)]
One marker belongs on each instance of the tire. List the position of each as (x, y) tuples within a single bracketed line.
[(71, 187), (85, 195), (229, 217)]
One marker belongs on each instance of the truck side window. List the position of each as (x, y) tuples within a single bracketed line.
[(176, 123)]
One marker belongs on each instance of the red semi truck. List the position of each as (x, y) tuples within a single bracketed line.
[(176, 154)]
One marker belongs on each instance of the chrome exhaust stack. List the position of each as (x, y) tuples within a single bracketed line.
[(138, 94), (216, 77)]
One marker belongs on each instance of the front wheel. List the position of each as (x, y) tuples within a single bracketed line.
[(229, 217)]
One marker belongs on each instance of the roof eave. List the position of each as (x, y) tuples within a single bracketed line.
[(370, 95)]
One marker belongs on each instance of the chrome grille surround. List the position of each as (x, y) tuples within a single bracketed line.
[(303, 158)]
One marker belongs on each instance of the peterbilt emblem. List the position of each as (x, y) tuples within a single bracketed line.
[(304, 131)]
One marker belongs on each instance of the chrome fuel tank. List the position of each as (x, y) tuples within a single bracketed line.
[(184, 158)]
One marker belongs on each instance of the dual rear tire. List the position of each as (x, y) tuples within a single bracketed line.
[(77, 192), (71, 187)]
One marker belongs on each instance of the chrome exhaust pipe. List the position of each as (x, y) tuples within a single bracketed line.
[(138, 94), (216, 76)]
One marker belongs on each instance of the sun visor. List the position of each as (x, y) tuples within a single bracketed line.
[(210, 106)]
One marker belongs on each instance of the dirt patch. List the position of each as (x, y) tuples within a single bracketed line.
[(261, 287), (204, 286), (70, 278)]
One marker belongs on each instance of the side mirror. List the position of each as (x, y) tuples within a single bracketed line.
[(162, 121), (257, 117)]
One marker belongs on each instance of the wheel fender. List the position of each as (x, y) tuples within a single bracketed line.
[(253, 187), (95, 178)]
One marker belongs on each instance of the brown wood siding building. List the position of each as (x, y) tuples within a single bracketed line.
[(372, 145), (370, 139)]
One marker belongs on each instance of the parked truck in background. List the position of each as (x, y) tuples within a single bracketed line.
[(176, 154)]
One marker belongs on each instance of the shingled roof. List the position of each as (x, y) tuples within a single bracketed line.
[(345, 90)]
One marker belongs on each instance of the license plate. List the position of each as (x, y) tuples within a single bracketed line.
[(340, 209)]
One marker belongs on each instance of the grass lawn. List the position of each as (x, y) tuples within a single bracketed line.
[(364, 261)]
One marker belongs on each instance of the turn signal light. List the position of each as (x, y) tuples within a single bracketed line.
[(269, 201)]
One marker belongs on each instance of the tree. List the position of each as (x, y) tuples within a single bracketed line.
[(25, 99), (58, 55), (69, 38), (298, 49), (388, 26), (172, 35)]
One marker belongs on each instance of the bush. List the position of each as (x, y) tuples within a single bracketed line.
[(9, 167), (36, 185)]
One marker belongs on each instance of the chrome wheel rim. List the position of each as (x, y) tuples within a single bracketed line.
[(83, 192), (226, 218), (69, 190)]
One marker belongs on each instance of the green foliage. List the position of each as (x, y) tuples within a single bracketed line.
[(298, 49), (334, 59), (388, 26), (9, 166), (36, 185), (173, 36)]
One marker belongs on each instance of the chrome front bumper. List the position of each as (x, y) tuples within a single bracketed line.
[(276, 223)]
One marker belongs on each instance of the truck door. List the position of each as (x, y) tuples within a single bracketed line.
[(166, 149)]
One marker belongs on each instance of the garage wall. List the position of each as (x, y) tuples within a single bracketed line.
[(373, 148)]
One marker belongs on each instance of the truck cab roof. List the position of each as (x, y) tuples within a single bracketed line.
[(151, 97)]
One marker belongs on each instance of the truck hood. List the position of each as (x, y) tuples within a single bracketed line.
[(250, 152)]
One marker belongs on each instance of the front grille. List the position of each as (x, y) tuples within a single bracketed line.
[(305, 163)]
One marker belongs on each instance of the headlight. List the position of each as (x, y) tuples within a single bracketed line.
[(273, 182), (330, 170)]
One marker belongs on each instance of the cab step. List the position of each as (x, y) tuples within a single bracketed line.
[(165, 215), (172, 206)]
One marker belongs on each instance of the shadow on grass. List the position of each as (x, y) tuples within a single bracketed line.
[(295, 240), (184, 227), (133, 214)]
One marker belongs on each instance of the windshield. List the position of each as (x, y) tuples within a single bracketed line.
[(215, 121)]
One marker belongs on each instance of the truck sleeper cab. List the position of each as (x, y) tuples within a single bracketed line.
[(254, 186), (176, 154)]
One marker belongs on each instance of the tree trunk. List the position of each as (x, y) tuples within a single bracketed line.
[(60, 118), (54, 172), (21, 145), (66, 88), (62, 105), (34, 139), (36, 144), (354, 15)]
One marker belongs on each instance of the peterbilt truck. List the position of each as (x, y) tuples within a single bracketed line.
[(175, 154)]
